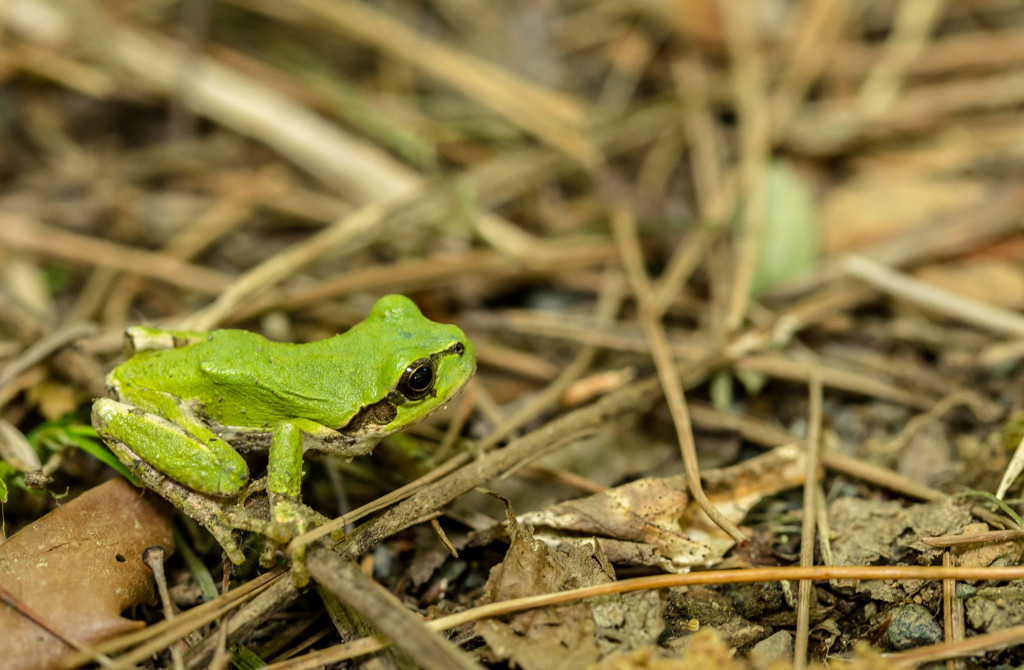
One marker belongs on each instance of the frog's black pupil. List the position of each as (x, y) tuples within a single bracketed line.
[(421, 378)]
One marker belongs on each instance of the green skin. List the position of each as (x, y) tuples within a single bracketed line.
[(186, 400)]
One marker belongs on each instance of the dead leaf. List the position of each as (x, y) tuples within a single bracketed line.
[(652, 521), (989, 280), (869, 532), (549, 637), (15, 449), (883, 203), (55, 399), (984, 554), (78, 568), (701, 19)]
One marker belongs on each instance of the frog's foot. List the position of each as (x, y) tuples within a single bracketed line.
[(298, 518)]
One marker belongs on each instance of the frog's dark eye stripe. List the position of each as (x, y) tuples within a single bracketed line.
[(456, 349), (418, 379)]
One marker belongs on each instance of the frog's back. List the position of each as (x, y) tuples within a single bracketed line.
[(180, 370), (282, 380), (241, 379)]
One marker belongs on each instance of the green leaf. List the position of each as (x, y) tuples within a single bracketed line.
[(753, 380), (99, 451), (994, 501), (83, 430), (789, 230), (244, 658), (66, 432), (200, 573), (7, 473), (721, 390)]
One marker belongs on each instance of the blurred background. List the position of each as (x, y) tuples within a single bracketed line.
[(217, 134)]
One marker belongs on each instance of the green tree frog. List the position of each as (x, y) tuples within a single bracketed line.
[(185, 403)]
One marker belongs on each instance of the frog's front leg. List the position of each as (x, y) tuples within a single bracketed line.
[(284, 481)]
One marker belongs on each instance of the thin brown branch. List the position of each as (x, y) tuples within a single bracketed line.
[(753, 111), (17, 232), (650, 320), (808, 524), (553, 117), (971, 312), (345, 581), (158, 636)]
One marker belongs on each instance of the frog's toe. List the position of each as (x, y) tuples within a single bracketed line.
[(296, 516), (233, 553), (225, 538), (300, 575), (280, 534), (232, 478), (268, 557)]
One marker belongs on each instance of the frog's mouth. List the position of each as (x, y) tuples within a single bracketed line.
[(374, 419)]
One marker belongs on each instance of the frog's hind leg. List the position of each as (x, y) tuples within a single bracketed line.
[(164, 432), (188, 470), (219, 518), (174, 453)]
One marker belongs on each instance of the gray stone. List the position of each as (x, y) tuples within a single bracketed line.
[(996, 608), (912, 626), (772, 648)]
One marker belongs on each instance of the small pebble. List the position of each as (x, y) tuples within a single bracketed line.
[(965, 590), (773, 648), (912, 626)]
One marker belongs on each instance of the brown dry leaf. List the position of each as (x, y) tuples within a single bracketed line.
[(984, 150), (25, 281), (550, 637), (15, 449), (701, 20), (78, 568), (984, 554), (872, 532), (707, 650), (652, 521), (55, 399), (989, 280), (881, 204), (697, 19)]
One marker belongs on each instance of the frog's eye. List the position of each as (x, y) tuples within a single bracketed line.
[(417, 380)]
